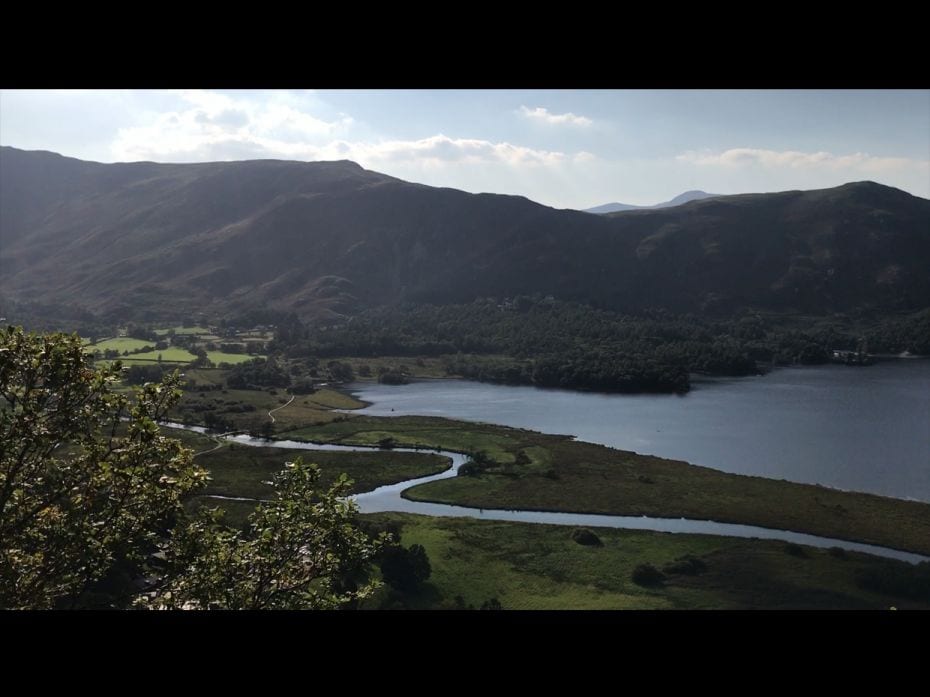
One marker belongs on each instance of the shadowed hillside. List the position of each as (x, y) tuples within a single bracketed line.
[(326, 237)]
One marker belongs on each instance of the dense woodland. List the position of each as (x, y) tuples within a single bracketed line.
[(533, 340), (551, 343)]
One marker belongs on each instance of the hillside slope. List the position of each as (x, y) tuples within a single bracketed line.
[(325, 237)]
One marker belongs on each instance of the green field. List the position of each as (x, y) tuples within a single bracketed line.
[(243, 471), (417, 431), (132, 360), (195, 441), (540, 567), (240, 470), (122, 343), (332, 399), (313, 408), (248, 409), (206, 376), (425, 367), (217, 357), (172, 354)]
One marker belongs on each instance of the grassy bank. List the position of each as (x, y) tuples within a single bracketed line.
[(244, 471), (240, 470), (247, 410), (540, 567), (536, 471), (368, 369)]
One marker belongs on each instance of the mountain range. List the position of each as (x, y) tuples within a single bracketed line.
[(677, 201), (331, 237)]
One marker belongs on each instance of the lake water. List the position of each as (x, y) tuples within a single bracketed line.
[(859, 429)]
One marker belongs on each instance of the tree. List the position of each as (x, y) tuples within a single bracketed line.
[(302, 551), (141, 374), (87, 482), (91, 503), (202, 360), (405, 569), (340, 372)]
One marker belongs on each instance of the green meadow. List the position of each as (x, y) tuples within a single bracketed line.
[(528, 566)]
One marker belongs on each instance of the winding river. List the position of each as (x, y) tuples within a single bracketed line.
[(857, 429), (388, 499)]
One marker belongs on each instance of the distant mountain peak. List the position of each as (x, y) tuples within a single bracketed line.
[(693, 195)]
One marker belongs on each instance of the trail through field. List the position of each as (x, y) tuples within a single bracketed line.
[(219, 443), (279, 408)]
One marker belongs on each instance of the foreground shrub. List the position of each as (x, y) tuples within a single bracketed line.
[(647, 575), (405, 569), (688, 565), (584, 536)]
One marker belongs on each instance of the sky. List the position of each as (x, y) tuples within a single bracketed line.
[(562, 148)]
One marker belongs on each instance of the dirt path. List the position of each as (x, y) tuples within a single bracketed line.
[(219, 443), (279, 408)]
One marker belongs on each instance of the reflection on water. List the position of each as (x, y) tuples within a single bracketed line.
[(860, 429)]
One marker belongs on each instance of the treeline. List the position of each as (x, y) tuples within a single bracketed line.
[(899, 334), (541, 341), (257, 374), (908, 581), (41, 317), (587, 371), (540, 328)]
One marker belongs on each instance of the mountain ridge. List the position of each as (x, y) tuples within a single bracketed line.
[(685, 197), (332, 237)]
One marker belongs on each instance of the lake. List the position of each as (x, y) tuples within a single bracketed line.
[(859, 429)]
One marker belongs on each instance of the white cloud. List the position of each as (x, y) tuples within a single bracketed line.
[(440, 149), (225, 131), (201, 126), (793, 159), (584, 156), (542, 114), (213, 126)]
